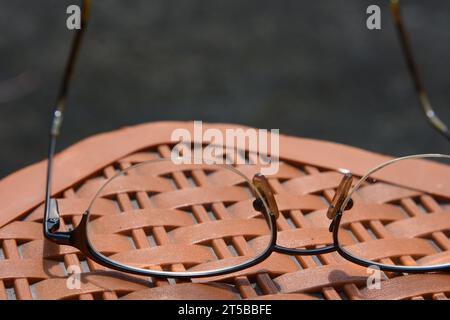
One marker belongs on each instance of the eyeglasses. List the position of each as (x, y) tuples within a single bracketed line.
[(181, 236)]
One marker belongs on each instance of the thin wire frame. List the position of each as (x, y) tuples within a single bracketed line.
[(269, 216), (413, 68), (78, 237), (348, 198)]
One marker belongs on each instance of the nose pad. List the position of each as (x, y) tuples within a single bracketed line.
[(348, 206), (262, 185), (258, 205), (340, 196)]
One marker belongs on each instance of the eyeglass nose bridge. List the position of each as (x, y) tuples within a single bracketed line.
[(261, 183)]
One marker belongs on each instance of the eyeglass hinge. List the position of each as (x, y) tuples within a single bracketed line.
[(53, 216)]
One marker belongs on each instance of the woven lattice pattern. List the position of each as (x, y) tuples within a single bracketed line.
[(32, 268)]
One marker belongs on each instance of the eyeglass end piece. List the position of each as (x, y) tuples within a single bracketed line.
[(52, 221)]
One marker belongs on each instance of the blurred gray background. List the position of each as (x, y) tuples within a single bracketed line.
[(309, 68)]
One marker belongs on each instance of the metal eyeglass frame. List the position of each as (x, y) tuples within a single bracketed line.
[(265, 202)]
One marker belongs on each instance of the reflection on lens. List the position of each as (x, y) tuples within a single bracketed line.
[(392, 223), (178, 218)]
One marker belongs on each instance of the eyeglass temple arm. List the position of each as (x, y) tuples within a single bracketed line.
[(431, 115), (51, 213)]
